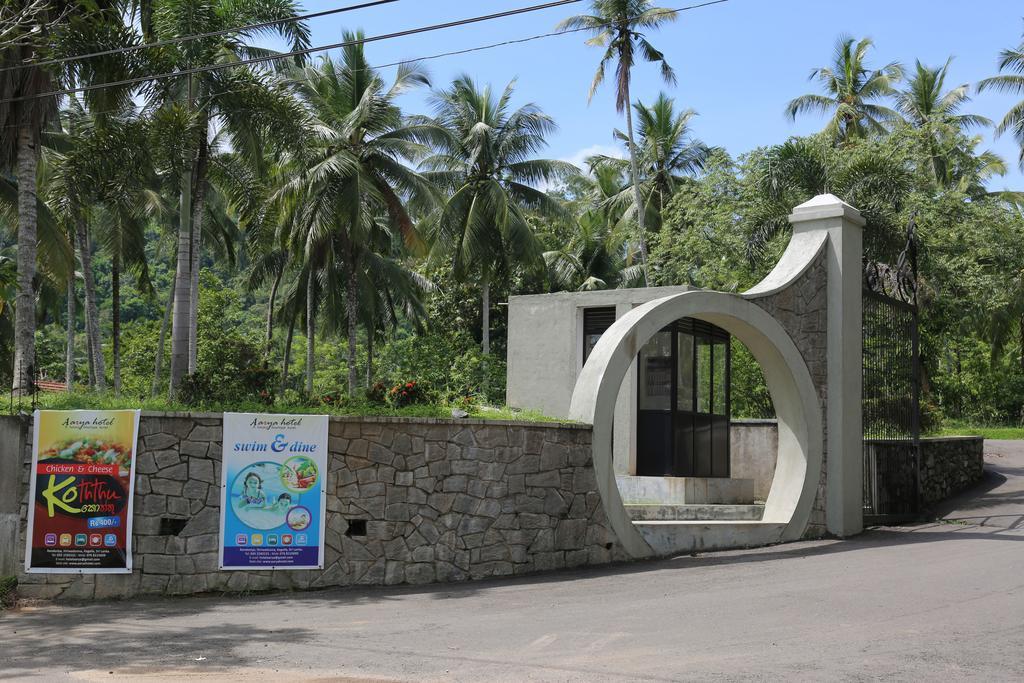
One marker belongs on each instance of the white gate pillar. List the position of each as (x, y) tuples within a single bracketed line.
[(843, 423)]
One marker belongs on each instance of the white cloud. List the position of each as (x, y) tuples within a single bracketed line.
[(580, 157)]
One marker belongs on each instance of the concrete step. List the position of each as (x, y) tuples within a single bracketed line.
[(685, 490), (694, 513)]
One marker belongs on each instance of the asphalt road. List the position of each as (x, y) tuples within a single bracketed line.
[(939, 602), (999, 500)]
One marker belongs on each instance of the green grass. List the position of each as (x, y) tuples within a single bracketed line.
[(988, 432), (107, 401)]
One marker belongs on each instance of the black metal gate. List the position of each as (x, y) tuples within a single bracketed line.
[(891, 389)]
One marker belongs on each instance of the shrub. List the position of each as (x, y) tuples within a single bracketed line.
[(405, 394)]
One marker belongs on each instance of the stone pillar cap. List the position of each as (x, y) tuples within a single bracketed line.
[(826, 206)]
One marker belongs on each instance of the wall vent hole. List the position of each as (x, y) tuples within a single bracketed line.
[(356, 527), (171, 526)]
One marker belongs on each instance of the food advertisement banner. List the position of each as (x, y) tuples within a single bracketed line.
[(81, 487), (273, 491)]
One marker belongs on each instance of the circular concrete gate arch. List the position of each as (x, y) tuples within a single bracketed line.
[(799, 461)]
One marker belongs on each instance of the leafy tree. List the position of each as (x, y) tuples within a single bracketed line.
[(852, 91), (616, 25), (704, 238)]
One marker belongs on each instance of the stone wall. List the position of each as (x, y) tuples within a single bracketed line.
[(802, 309), (950, 465), (409, 501)]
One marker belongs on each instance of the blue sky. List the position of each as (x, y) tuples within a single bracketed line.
[(738, 63)]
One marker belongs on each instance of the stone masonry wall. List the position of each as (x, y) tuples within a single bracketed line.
[(802, 309), (950, 465), (409, 501)]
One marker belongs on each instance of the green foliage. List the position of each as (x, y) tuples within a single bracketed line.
[(750, 397), (703, 241), (445, 367)]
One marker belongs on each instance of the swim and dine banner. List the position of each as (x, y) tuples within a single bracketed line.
[(80, 491), (273, 495)]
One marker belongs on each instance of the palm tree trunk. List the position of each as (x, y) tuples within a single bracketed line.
[(288, 352), (270, 318), (198, 206), (25, 300), (115, 295), (92, 316), (310, 332), (369, 356), (89, 354), (485, 314), (637, 198), (352, 313), (182, 277), (69, 357), (158, 369), (486, 341), (182, 288)]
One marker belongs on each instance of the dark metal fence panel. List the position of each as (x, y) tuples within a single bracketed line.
[(890, 364), (892, 388)]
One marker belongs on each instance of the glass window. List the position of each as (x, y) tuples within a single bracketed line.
[(703, 375), (684, 376), (655, 370), (718, 380)]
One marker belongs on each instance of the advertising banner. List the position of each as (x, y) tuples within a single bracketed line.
[(273, 491), (80, 492)]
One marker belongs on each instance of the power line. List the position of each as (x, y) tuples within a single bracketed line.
[(539, 36), (440, 55), (292, 53), (200, 36)]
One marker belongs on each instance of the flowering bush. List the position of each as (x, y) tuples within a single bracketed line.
[(405, 394), (378, 393)]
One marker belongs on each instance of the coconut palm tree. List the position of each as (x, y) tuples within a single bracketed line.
[(349, 189), (617, 25), (1011, 61), (851, 92), (927, 106), (594, 257), (668, 153), (485, 159), (241, 101)]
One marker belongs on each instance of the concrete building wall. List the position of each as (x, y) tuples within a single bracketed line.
[(545, 355), (753, 448), (442, 500)]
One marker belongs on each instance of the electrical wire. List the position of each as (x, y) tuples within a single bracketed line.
[(200, 36), (291, 53), (451, 53)]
